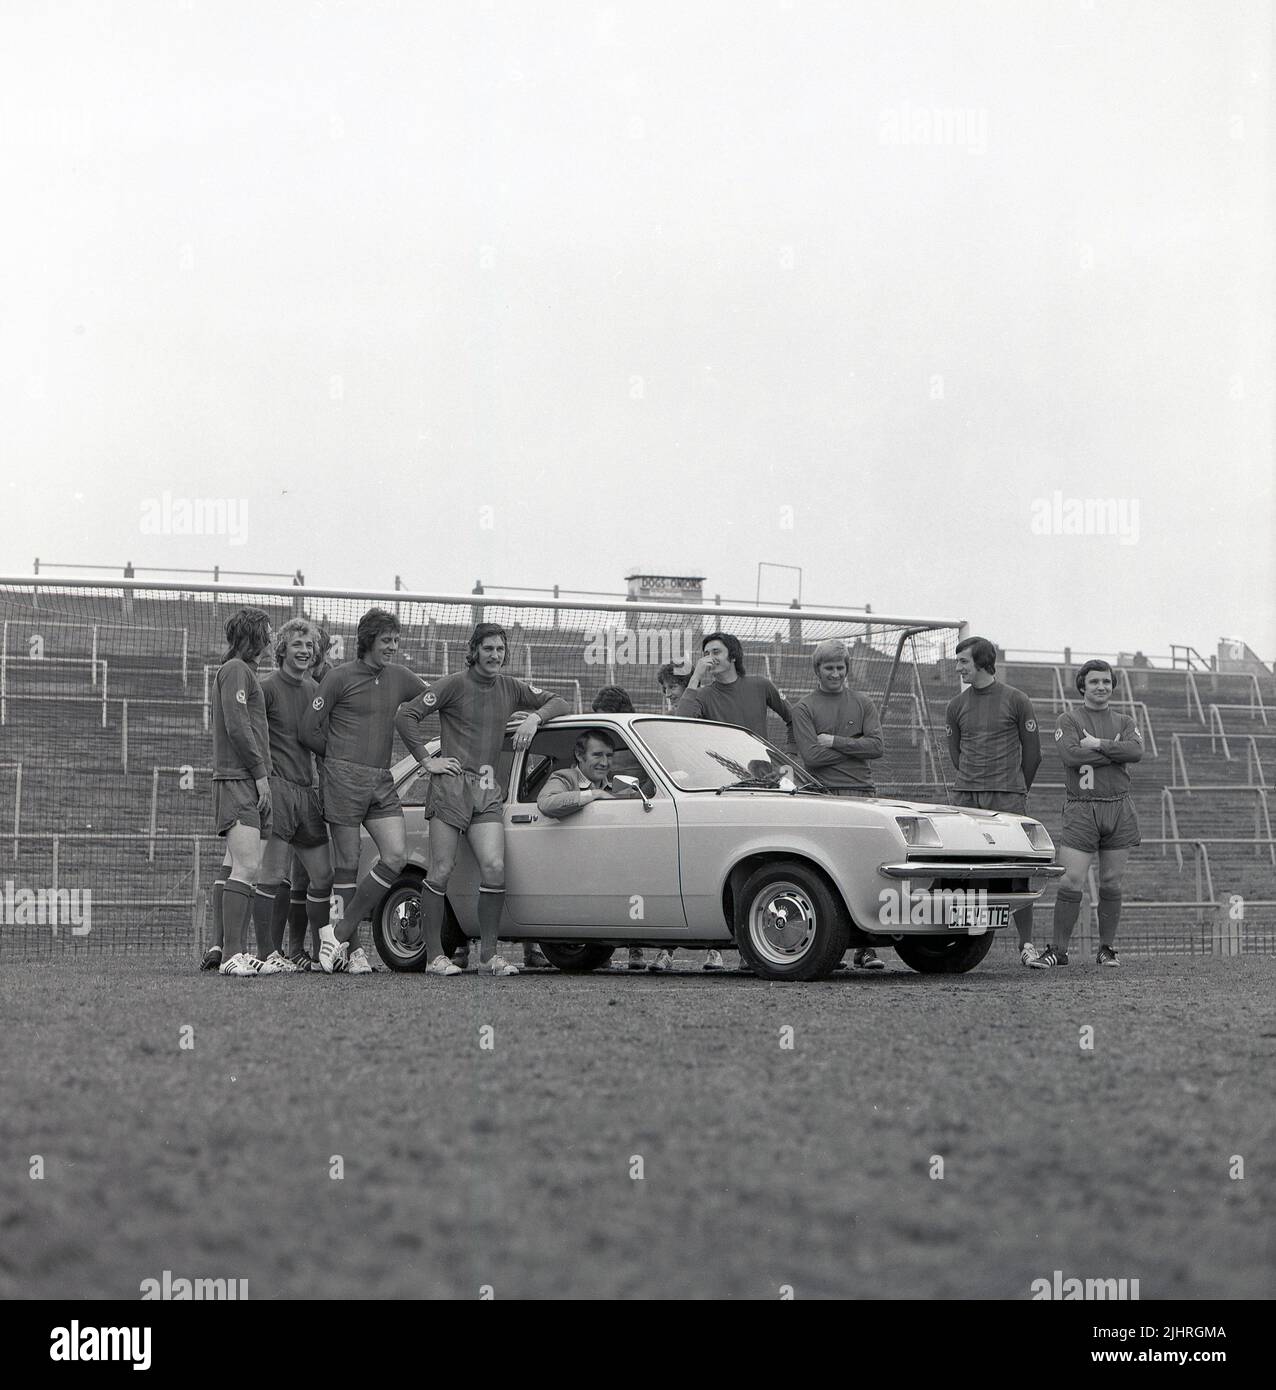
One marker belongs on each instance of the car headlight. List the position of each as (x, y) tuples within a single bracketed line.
[(919, 831), (1038, 836)]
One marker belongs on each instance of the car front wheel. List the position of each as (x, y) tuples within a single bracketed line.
[(943, 955), (396, 927), (790, 925)]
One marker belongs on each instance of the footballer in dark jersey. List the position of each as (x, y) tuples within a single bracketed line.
[(297, 817), (720, 688), (241, 787), (1096, 746), (464, 795), (995, 747), (350, 725)]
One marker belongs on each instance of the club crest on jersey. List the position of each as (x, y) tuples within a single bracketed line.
[(241, 696), (430, 699), (536, 690), (317, 703), (1031, 726), (1058, 734)]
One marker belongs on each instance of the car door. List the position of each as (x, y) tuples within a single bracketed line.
[(609, 870)]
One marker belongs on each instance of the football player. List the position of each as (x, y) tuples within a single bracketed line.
[(995, 747), (838, 733), (464, 795), (299, 828), (241, 780), (1096, 745), (350, 725)]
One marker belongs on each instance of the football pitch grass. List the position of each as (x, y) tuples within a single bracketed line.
[(516, 1166)]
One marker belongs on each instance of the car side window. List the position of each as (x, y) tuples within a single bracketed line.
[(556, 748)]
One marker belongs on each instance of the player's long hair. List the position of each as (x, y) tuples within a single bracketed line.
[(734, 650), (479, 636), (373, 623), (286, 633), (982, 653), (247, 635), (323, 645), (1095, 665)]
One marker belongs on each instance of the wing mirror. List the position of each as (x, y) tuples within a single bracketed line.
[(633, 782)]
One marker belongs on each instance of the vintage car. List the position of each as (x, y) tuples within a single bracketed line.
[(729, 843)]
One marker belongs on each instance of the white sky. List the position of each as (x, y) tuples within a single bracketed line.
[(639, 278)]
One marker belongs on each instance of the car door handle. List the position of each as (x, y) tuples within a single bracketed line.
[(523, 820)]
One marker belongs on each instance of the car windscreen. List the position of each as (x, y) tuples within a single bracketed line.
[(702, 756)]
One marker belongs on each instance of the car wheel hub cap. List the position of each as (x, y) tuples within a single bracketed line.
[(782, 923)]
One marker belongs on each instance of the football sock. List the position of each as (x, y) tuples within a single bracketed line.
[(491, 901), (263, 912), (1109, 915), (433, 906), (1066, 907), (279, 917), (375, 884), (1023, 922), (235, 907)]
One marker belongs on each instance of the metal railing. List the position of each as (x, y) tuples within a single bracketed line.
[(1262, 837), (95, 629), (155, 779), (16, 769), (130, 570), (1252, 709)]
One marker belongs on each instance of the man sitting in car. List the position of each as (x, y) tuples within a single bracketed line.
[(571, 789)]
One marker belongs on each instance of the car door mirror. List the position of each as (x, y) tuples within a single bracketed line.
[(633, 782)]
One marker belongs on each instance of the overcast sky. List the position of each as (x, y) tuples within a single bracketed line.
[(538, 293)]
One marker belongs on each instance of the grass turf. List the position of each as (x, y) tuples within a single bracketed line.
[(762, 1166)]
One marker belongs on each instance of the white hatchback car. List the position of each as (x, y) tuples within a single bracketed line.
[(730, 844)]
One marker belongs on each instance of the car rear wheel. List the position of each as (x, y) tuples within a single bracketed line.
[(943, 955), (790, 925), (576, 957), (396, 927)]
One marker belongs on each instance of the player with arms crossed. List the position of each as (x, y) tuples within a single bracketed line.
[(350, 725), (464, 796), (838, 733), (994, 745), (1096, 745), (297, 817)]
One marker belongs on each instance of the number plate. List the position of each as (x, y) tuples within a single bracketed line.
[(978, 920)]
